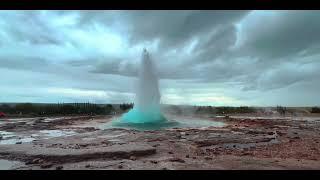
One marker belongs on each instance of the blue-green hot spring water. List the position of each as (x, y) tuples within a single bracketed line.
[(146, 114), (144, 122)]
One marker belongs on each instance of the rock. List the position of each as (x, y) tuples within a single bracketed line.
[(133, 158), (39, 120), (170, 152), (187, 156), (208, 158), (270, 133), (194, 157), (296, 137), (164, 168), (177, 160), (246, 154), (1, 137), (280, 133), (59, 167), (34, 161), (90, 129), (10, 126), (19, 142), (37, 160), (120, 166), (154, 161), (87, 166), (46, 165)]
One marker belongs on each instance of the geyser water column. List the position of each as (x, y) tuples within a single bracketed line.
[(146, 113), (146, 108)]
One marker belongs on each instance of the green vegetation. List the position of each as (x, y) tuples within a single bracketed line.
[(315, 110), (125, 107), (281, 110), (225, 110), (57, 109)]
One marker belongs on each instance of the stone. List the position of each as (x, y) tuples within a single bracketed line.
[(59, 167), (246, 154), (177, 160), (37, 160), (170, 152), (46, 165), (39, 120), (208, 158), (19, 142), (187, 156), (154, 161), (120, 166), (133, 158)]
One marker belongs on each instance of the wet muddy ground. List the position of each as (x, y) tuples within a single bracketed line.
[(64, 143)]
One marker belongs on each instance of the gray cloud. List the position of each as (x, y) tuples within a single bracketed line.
[(225, 55)]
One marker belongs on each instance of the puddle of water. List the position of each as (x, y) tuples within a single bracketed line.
[(15, 140), (11, 138), (3, 133), (7, 165), (88, 139), (57, 133), (6, 135)]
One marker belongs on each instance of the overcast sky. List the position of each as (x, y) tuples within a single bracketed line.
[(255, 58)]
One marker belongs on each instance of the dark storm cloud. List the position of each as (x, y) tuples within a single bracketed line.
[(267, 46), (289, 33), (174, 28), (27, 26), (229, 54)]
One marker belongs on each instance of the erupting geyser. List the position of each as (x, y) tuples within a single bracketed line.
[(146, 113), (146, 108)]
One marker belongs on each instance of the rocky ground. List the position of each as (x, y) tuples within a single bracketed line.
[(64, 143)]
